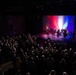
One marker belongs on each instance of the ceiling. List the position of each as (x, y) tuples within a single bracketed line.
[(38, 7)]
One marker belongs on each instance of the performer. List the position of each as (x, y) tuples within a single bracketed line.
[(54, 31), (58, 33), (47, 29), (65, 33)]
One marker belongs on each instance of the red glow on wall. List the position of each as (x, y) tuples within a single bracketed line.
[(51, 21), (54, 22)]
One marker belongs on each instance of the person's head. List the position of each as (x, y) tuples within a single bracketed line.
[(64, 73), (19, 36), (18, 59), (27, 73), (43, 56), (29, 35), (37, 56), (52, 72), (2, 44), (65, 50), (21, 49), (32, 47), (38, 45), (74, 53), (62, 60), (70, 49)]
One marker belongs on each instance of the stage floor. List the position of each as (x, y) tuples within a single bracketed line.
[(52, 37), (55, 38)]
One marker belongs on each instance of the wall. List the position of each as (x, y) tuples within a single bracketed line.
[(16, 24)]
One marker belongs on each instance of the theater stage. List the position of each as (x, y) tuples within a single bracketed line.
[(68, 38)]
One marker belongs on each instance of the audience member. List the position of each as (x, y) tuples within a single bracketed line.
[(32, 55)]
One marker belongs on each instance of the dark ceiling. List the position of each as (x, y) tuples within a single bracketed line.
[(38, 7)]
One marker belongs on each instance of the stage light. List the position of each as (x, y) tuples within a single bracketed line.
[(65, 25), (60, 22)]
